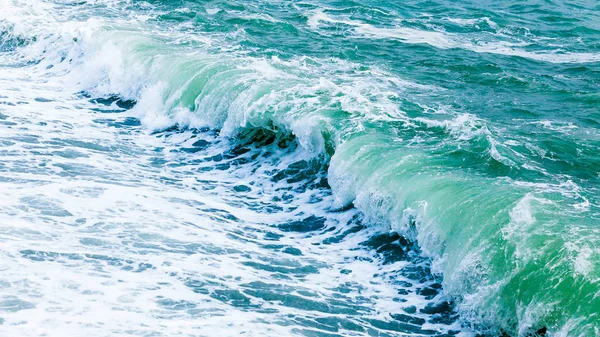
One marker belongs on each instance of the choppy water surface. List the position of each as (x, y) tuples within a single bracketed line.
[(299, 168)]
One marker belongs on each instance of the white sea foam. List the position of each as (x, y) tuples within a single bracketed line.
[(444, 40), (473, 22)]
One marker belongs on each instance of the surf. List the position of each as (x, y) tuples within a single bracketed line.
[(488, 209)]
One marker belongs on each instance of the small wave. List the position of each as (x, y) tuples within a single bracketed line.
[(445, 40), (473, 22)]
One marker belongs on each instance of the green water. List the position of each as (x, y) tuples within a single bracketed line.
[(471, 127)]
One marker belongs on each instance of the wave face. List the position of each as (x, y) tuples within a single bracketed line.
[(471, 130)]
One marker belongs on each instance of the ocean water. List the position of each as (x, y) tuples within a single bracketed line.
[(299, 168)]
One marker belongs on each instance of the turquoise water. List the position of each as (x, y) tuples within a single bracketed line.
[(311, 168)]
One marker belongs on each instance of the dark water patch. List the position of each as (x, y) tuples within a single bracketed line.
[(284, 249), (341, 323), (116, 123), (262, 137), (201, 143), (242, 188), (408, 319), (98, 259), (429, 292), (354, 225), (270, 236), (43, 100), (236, 152), (197, 286), (234, 298), (285, 298), (221, 214), (312, 223), (10, 42), (70, 154), (442, 312), (399, 326), (6, 143), (312, 170), (197, 146), (106, 111), (124, 104), (157, 161), (170, 130), (316, 325), (177, 16), (283, 269), (292, 251), (391, 246)]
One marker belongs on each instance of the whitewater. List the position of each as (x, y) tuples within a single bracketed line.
[(299, 168)]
